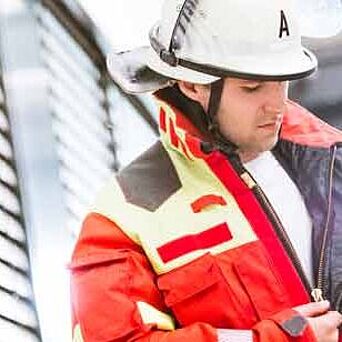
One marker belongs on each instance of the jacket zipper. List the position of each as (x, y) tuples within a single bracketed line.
[(339, 300), (317, 293), (281, 232)]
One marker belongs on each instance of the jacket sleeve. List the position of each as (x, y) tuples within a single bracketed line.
[(115, 297)]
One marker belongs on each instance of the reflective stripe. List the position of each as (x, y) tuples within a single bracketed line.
[(150, 315), (189, 243), (227, 335)]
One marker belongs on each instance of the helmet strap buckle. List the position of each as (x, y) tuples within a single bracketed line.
[(169, 57)]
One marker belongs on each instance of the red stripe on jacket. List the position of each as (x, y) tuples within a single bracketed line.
[(190, 243), (261, 226)]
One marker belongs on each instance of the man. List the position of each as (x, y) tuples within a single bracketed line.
[(230, 226)]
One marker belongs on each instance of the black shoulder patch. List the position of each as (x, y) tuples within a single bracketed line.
[(149, 180)]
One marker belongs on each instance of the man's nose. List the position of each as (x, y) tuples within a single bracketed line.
[(276, 98)]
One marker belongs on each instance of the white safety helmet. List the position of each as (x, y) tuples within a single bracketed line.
[(201, 41)]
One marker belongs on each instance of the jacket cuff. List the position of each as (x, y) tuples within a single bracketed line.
[(230, 335), (291, 322)]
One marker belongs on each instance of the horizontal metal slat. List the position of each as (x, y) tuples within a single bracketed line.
[(93, 174), (72, 73), (51, 24), (9, 200), (75, 70), (14, 308), (77, 80), (5, 148), (13, 255), (86, 177), (16, 282), (82, 103), (97, 118), (99, 156), (7, 174), (97, 151), (92, 124), (67, 117), (11, 227), (15, 333)]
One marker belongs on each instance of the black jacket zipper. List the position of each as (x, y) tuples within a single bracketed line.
[(318, 293)]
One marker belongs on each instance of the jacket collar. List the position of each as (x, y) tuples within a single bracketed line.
[(299, 126), (178, 133)]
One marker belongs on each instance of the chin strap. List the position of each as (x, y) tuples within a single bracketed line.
[(219, 142)]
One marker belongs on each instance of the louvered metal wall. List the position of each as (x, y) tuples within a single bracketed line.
[(84, 113), (80, 120), (18, 320), (66, 113)]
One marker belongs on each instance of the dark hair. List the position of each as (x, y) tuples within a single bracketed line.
[(191, 109)]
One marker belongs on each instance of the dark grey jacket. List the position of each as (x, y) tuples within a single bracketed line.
[(317, 171)]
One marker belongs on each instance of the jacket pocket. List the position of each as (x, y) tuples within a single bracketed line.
[(189, 280), (235, 289), (261, 282), (198, 292)]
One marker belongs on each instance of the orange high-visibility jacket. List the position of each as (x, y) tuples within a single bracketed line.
[(181, 246)]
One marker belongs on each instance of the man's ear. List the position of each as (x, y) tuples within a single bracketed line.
[(196, 92)]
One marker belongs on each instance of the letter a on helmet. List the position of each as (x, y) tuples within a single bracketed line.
[(284, 27), (201, 41)]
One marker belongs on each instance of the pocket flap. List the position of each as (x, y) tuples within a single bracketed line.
[(187, 280), (95, 259)]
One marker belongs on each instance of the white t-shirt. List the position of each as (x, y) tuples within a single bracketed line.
[(288, 203)]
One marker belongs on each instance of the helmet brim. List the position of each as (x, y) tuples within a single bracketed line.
[(141, 70), (278, 66), (130, 71)]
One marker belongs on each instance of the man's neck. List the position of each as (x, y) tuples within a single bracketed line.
[(247, 156)]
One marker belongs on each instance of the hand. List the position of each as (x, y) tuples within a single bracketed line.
[(323, 322)]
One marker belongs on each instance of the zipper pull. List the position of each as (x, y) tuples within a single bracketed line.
[(317, 295), (249, 181)]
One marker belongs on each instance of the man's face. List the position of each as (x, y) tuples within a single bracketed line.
[(251, 113)]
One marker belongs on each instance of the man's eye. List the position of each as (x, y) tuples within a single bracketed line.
[(252, 89)]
